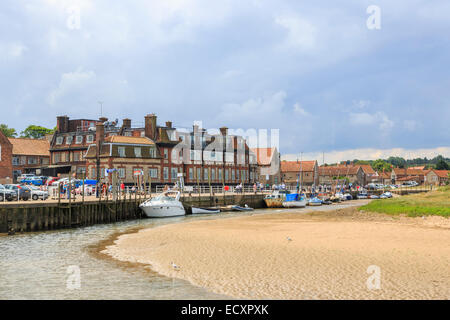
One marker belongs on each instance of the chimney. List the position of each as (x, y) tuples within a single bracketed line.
[(169, 124), (62, 124), (224, 131), (150, 126), (99, 136), (126, 123), (103, 119)]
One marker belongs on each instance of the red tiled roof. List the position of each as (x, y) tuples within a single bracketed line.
[(294, 166), (129, 140), (367, 168), (30, 147), (441, 173), (338, 170), (409, 172)]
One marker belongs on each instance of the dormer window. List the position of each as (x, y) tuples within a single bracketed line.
[(69, 140), (90, 138), (59, 140), (79, 140)]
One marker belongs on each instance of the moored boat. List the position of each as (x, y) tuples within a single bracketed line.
[(167, 204), (239, 208), (294, 200), (275, 199), (315, 201), (196, 210)]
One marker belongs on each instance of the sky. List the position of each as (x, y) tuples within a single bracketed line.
[(316, 70)]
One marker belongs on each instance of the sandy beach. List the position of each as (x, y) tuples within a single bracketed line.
[(301, 255)]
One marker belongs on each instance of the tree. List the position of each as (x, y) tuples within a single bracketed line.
[(8, 132), (381, 165), (442, 165), (36, 132)]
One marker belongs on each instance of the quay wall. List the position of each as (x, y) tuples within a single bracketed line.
[(33, 217)]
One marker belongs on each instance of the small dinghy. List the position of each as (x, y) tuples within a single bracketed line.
[(196, 210), (315, 202), (239, 208)]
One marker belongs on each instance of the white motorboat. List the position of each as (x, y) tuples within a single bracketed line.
[(167, 204), (196, 210)]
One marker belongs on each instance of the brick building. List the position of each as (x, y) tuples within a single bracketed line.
[(307, 171), (29, 155), (333, 174), (6, 170), (437, 177)]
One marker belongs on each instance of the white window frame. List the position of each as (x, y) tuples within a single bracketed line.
[(90, 138), (59, 140), (78, 139), (138, 152), (69, 139), (121, 151)]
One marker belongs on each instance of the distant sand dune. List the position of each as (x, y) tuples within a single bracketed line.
[(328, 257)]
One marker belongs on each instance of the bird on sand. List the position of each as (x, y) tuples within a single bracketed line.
[(288, 238), (175, 267)]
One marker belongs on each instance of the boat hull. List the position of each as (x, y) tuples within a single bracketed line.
[(274, 203), (294, 204), (204, 210), (163, 211)]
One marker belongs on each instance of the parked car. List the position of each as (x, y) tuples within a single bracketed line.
[(35, 181), (25, 176), (24, 194), (36, 193), (6, 194)]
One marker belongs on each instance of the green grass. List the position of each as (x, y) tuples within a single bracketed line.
[(425, 204)]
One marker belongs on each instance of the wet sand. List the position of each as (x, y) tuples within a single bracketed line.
[(327, 257)]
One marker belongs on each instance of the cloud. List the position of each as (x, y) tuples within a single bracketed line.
[(379, 119), (298, 109), (301, 34), (71, 82)]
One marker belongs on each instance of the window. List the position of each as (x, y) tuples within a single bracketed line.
[(166, 154), (122, 173), (121, 151), (93, 174), (152, 153), (142, 133), (237, 175), (69, 140), (153, 173), (192, 155), (220, 174), (166, 173), (137, 152), (213, 174), (76, 156), (174, 173), (199, 174), (232, 174), (56, 158), (79, 139), (59, 140), (191, 174), (205, 174), (226, 174), (16, 161), (32, 160), (128, 134), (90, 138)]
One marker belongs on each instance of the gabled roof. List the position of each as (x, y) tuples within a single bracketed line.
[(440, 173), (264, 155), (30, 147), (129, 140), (338, 170), (367, 168), (294, 166), (408, 172)]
